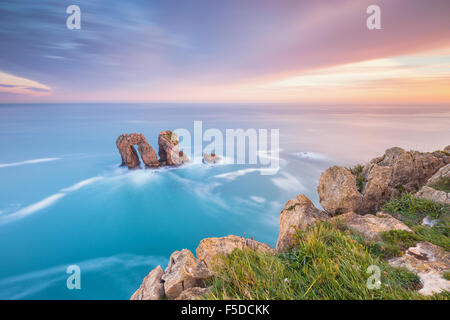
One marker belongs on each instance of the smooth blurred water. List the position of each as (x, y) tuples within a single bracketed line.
[(76, 206)]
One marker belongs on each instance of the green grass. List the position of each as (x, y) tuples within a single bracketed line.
[(393, 243), (357, 172), (446, 275), (443, 184), (325, 264), (412, 210)]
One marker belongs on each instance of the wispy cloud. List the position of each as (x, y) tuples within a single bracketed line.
[(17, 85)]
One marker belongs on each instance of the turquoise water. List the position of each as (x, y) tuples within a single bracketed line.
[(65, 201)]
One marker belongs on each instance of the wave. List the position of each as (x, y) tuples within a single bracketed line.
[(311, 156), (82, 184), (22, 213), (288, 182), (233, 175), (32, 161), (46, 202)]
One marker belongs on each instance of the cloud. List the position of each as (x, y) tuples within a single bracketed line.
[(17, 85)]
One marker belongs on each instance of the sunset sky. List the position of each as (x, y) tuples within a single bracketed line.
[(312, 51)]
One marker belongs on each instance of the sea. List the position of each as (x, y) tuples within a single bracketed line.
[(65, 201)]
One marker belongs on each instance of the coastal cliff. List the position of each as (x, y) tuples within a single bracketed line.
[(392, 213)]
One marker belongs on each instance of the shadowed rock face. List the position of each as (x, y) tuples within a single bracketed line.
[(169, 153), (126, 142)]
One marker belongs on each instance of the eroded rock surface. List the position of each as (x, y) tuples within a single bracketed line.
[(369, 225), (429, 262), (429, 192), (184, 272), (337, 191), (169, 154), (126, 142), (209, 248), (385, 177), (297, 214), (152, 287)]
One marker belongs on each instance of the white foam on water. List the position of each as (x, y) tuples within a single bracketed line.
[(32, 161)]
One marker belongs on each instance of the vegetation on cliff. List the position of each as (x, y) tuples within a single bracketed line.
[(331, 262)]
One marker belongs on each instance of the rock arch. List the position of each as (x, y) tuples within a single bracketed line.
[(126, 142)]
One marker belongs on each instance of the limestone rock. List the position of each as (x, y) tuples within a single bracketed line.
[(126, 142), (211, 158), (192, 293), (376, 191), (210, 248), (442, 173), (386, 177), (297, 214), (337, 191), (169, 154), (433, 195), (370, 226), (429, 262), (184, 272), (152, 287)]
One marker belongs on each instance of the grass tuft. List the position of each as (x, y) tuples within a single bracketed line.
[(326, 264)]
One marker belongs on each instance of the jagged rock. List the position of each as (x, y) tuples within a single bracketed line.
[(337, 191), (370, 226), (297, 214), (168, 149), (184, 272), (386, 177), (410, 169), (192, 293), (434, 195), (152, 287), (126, 142), (429, 262), (210, 248), (211, 158), (442, 173)]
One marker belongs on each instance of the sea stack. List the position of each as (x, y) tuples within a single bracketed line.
[(126, 142), (169, 154)]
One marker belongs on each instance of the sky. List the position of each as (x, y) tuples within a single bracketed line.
[(312, 51)]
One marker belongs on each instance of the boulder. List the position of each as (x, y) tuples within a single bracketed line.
[(184, 272), (376, 190), (429, 262), (152, 287), (433, 195), (297, 214), (385, 177), (211, 158), (442, 173), (168, 149), (370, 226), (126, 142), (210, 248), (447, 149), (337, 191), (192, 293)]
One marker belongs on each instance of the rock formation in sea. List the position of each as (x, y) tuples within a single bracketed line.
[(168, 150), (169, 154), (350, 201), (126, 142)]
